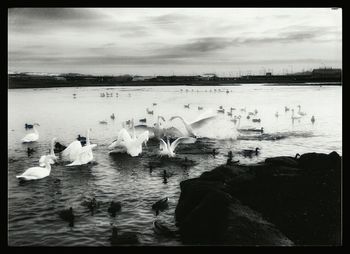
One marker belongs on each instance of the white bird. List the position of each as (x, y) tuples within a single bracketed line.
[(160, 130), (73, 150), (191, 126), (85, 155), (52, 153), (31, 137), (36, 173), (294, 117), (300, 112), (168, 149), (131, 145)]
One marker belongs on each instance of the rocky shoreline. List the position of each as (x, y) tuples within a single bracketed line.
[(282, 201)]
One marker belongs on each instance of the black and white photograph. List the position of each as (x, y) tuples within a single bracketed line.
[(132, 126)]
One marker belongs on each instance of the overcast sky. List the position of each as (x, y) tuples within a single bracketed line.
[(157, 41)]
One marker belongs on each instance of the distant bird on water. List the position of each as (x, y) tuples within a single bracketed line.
[(313, 119), (31, 137)]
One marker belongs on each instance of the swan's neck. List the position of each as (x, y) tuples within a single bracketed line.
[(88, 137), (48, 166), (35, 130)]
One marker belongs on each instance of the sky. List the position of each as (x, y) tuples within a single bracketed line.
[(173, 41)]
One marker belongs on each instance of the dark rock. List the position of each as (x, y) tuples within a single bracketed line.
[(282, 161), (293, 202)]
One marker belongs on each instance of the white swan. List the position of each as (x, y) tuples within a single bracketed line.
[(168, 149), (294, 117), (131, 145), (73, 150), (52, 153), (36, 173), (31, 137), (158, 131), (85, 155), (191, 126), (300, 112)]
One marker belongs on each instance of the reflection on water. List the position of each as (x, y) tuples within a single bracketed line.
[(34, 206)]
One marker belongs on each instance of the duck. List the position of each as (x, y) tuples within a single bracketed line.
[(84, 155), (31, 137), (67, 215), (221, 111), (161, 205), (160, 229), (249, 152), (286, 109), (167, 149), (28, 126), (313, 119), (154, 104), (143, 120), (103, 122), (200, 108), (276, 114), (113, 208), (187, 106), (82, 140), (113, 116), (229, 113), (243, 109), (150, 112), (256, 120), (30, 151), (36, 173)]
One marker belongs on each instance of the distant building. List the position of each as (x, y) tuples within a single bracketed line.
[(268, 74), (326, 72)]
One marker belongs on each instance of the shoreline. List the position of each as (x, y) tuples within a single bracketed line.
[(46, 84)]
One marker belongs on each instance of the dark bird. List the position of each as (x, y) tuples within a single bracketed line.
[(154, 104), (160, 205), (286, 109), (214, 152), (249, 152), (149, 111), (256, 120), (67, 215), (313, 119), (161, 229), (113, 116), (28, 126), (221, 111), (248, 116), (200, 108), (30, 151), (113, 208), (143, 120), (92, 205), (82, 140), (59, 147), (187, 106)]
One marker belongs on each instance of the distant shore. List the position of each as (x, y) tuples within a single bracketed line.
[(56, 84)]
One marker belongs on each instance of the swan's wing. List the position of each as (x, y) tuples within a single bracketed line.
[(180, 140), (203, 121), (162, 145), (72, 150), (124, 135), (143, 137), (30, 137)]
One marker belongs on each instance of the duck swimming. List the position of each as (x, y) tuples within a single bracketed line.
[(150, 112), (187, 106), (28, 126), (313, 119), (249, 152)]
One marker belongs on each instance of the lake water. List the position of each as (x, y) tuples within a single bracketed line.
[(33, 207)]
